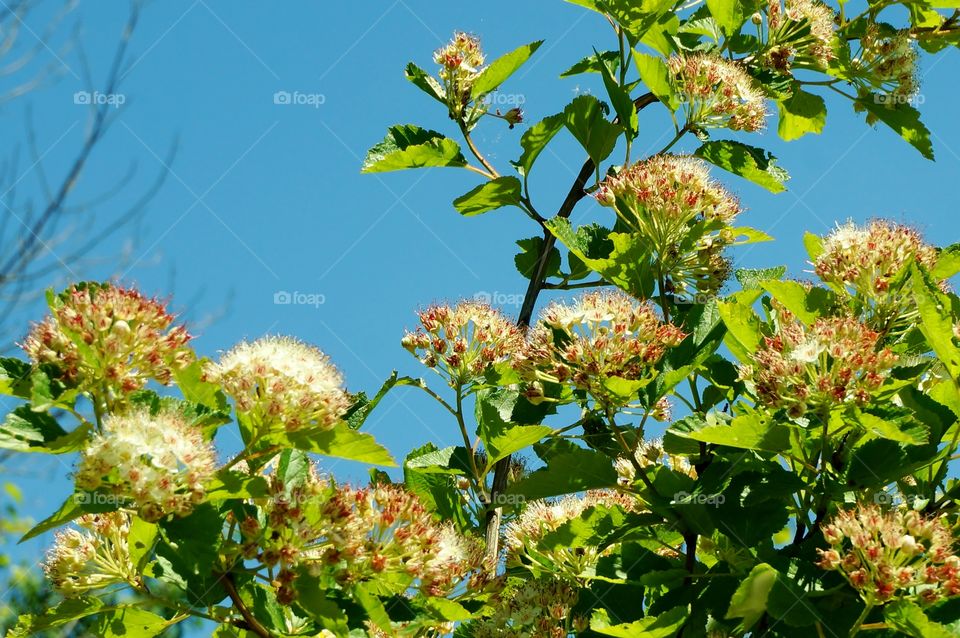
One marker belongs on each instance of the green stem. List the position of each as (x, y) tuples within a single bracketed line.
[(858, 625)]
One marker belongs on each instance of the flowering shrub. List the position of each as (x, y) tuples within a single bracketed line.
[(666, 452)]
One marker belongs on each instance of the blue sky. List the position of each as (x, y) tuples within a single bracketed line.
[(266, 197)]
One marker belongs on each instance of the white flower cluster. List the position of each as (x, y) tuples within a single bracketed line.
[(160, 462)]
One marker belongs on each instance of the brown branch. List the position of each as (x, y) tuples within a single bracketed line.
[(502, 468), (255, 626)]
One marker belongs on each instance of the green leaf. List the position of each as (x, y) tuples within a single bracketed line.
[(905, 120), (749, 162), (800, 114), (909, 618), (749, 602), (728, 14), (665, 625), (936, 320), (513, 439), (635, 16), (536, 138), (409, 146), (496, 193), (592, 64), (807, 305), (15, 377), (449, 460), (743, 328), (901, 430), (196, 389), (129, 622), (566, 473), (814, 245), (753, 431), (71, 509), (948, 263), (27, 431), (229, 484), (750, 278), (621, 100), (141, 540), (586, 120), (344, 443), (357, 414), (620, 258), (425, 82), (655, 75), (502, 68), (526, 259)]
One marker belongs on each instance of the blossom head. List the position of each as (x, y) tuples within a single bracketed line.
[(92, 557), (899, 554), (601, 338), (717, 93), (682, 214), (870, 263), (462, 342), (888, 63), (799, 29), (106, 337), (158, 461), (279, 382), (526, 608), (539, 518), (837, 360), (460, 61), (352, 534)]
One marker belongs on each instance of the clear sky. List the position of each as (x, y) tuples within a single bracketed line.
[(264, 197)]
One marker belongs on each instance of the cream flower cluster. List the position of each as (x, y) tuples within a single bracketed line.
[(463, 342), (381, 532), (281, 383), (681, 214), (538, 608), (870, 263), (600, 338), (95, 556), (523, 536), (895, 554), (160, 462), (717, 93), (108, 338), (836, 360), (802, 28), (461, 61), (889, 62), (647, 454)]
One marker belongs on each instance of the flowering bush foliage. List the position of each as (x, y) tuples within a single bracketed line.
[(666, 453)]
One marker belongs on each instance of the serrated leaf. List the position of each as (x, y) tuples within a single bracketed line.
[(655, 75), (586, 120), (807, 305), (665, 625), (750, 278), (747, 432), (749, 162), (622, 102), (800, 114), (904, 120), (948, 263), (813, 244), (908, 617), (743, 328), (25, 430), (497, 72), (591, 64), (409, 146), (342, 442), (425, 82), (728, 14), (526, 260), (536, 138), (749, 601), (567, 473), (936, 320), (496, 193)]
